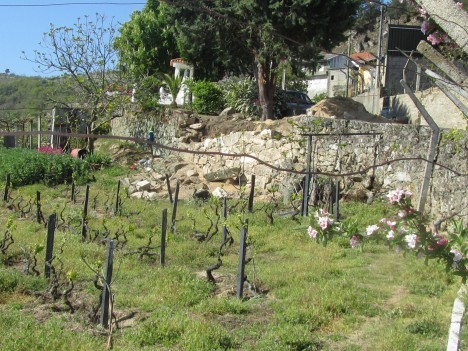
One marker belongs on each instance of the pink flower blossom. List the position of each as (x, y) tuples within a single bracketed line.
[(422, 12), (437, 38), (442, 241), (411, 240), (324, 212), (324, 222), (354, 242), (383, 220), (371, 229), (402, 213), (312, 232), (457, 255), (460, 5), (390, 235)]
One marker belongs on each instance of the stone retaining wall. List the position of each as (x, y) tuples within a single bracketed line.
[(336, 154)]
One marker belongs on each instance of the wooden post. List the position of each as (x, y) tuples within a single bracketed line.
[(432, 149), (39, 129), (169, 191), (73, 198), (174, 207), (85, 215), (7, 187), (117, 199), (241, 269), (224, 230), (31, 127), (38, 206), (305, 195), (107, 282), (50, 244), (331, 197), (163, 237), (337, 201), (252, 193)]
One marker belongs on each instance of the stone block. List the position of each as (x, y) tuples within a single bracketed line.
[(143, 185)]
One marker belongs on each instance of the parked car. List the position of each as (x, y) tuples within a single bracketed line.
[(297, 102)]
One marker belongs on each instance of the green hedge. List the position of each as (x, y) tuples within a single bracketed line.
[(29, 167)]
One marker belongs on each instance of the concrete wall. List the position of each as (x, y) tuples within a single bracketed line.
[(438, 105)]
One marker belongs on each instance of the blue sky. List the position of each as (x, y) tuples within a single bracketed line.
[(22, 28)]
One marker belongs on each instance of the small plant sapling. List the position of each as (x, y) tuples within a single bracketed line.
[(71, 277), (8, 240), (31, 256)]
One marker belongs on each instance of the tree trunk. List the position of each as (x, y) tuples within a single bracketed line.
[(266, 91), (450, 18)]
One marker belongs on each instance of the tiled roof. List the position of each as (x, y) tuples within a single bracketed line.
[(363, 57)]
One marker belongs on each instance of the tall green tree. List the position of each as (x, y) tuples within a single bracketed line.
[(145, 46), (146, 43), (85, 58), (265, 32)]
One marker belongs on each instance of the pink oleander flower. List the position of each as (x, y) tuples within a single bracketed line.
[(427, 26), (371, 229), (457, 255), (411, 240), (324, 222), (437, 38), (354, 241), (323, 212), (402, 230), (402, 213), (395, 196), (442, 241), (390, 235), (312, 232), (49, 150), (383, 220), (422, 12), (460, 5)]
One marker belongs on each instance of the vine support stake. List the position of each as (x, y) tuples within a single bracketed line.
[(163, 237), (50, 243), (252, 193), (305, 194), (85, 215), (337, 200), (105, 289), (73, 198), (39, 214), (117, 199), (7, 187), (225, 214), (241, 269), (169, 190), (174, 207)]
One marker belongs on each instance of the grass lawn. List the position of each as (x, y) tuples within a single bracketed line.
[(312, 297)]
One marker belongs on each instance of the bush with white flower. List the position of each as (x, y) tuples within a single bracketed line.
[(409, 231), (323, 227)]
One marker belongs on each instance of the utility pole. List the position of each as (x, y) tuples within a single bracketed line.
[(347, 64), (379, 66)]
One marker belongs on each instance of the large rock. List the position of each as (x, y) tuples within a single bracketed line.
[(223, 174), (343, 108), (143, 185)]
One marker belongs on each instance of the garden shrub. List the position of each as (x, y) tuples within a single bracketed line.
[(208, 97), (29, 167), (241, 93)]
